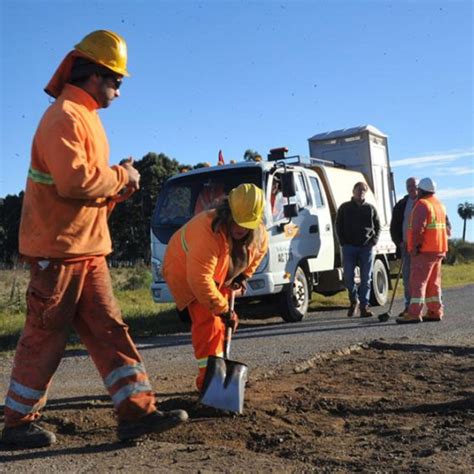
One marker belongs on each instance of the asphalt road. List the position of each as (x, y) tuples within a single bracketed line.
[(265, 345)]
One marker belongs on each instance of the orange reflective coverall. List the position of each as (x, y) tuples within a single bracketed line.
[(195, 268), (427, 242), (64, 235)]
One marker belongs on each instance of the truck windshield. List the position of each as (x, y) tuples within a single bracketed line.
[(184, 197)]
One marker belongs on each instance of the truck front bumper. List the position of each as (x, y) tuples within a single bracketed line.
[(259, 285)]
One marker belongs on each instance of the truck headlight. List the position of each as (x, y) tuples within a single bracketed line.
[(156, 266)]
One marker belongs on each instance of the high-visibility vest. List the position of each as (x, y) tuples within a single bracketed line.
[(435, 238)]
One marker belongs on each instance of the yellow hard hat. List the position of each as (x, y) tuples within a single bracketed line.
[(246, 203), (106, 48)]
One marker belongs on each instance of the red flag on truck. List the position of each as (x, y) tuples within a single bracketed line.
[(220, 160)]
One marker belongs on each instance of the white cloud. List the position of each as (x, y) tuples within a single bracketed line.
[(453, 193), (455, 171), (428, 160)]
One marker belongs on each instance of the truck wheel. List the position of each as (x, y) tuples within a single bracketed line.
[(296, 298), (380, 284)]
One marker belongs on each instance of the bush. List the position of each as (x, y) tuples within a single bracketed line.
[(136, 279), (459, 251)]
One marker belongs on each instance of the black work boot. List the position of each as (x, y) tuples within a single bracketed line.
[(155, 422), (353, 309), (28, 435), (365, 312)]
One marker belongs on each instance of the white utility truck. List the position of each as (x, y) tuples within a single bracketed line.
[(304, 254)]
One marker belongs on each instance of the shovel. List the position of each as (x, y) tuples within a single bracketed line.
[(386, 316), (224, 382)]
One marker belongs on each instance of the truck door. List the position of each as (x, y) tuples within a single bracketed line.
[(323, 232)]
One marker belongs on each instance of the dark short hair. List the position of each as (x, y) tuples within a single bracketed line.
[(83, 68), (362, 184)]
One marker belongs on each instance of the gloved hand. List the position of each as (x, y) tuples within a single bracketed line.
[(230, 318), (239, 283)]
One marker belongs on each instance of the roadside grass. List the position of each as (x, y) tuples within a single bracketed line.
[(146, 318)]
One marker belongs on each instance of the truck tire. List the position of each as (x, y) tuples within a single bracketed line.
[(295, 298), (380, 284)]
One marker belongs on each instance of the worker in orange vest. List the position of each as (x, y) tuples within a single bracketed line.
[(64, 236), (217, 250), (427, 244)]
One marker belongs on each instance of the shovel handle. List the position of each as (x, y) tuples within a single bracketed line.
[(228, 327)]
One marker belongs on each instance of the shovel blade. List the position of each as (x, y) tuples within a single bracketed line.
[(384, 317), (224, 384)]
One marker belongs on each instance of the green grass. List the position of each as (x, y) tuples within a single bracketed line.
[(147, 318)]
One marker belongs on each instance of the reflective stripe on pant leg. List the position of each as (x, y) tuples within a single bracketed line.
[(418, 280), (207, 334), (51, 296), (24, 400), (433, 289), (101, 328)]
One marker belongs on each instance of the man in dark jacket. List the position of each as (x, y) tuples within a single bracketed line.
[(398, 231), (358, 230)]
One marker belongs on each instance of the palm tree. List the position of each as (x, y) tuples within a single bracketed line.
[(465, 211)]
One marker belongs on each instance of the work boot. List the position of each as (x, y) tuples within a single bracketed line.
[(408, 319), (27, 435), (365, 312), (155, 422), (431, 317), (403, 313), (353, 309)]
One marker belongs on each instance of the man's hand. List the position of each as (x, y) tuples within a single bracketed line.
[(133, 174), (239, 284), (230, 318)]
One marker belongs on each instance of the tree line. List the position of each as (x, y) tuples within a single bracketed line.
[(129, 223)]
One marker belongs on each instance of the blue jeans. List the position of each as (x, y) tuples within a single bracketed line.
[(364, 257), (406, 274)]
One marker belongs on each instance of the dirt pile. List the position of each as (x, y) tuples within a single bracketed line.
[(387, 407)]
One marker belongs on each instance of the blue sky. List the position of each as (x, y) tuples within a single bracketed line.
[(233, 75)]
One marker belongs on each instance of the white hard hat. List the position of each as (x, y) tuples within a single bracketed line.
[(428, 185)]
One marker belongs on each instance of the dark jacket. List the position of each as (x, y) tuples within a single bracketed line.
[(357, 224), (396, 224)]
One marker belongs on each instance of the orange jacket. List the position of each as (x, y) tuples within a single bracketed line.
[(64, 211), (197, 260), (427, 227)]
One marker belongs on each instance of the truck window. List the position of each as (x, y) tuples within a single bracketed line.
[(176, 207), (182, 197), (301, 193), (317, 192)]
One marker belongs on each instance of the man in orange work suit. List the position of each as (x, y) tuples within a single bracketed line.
[(65, 237), (427, 243), (216, 250)]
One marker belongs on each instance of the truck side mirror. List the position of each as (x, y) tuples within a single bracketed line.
[(290, 210), (288, 187)]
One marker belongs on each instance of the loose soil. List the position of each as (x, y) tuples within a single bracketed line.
[(377, 408)]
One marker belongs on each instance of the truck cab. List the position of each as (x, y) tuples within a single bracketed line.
[(302, 196)]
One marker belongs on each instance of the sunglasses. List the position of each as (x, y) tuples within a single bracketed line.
[(117, 81)]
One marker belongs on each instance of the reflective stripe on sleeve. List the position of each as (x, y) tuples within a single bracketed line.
[(183, 241), (40, 177)]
